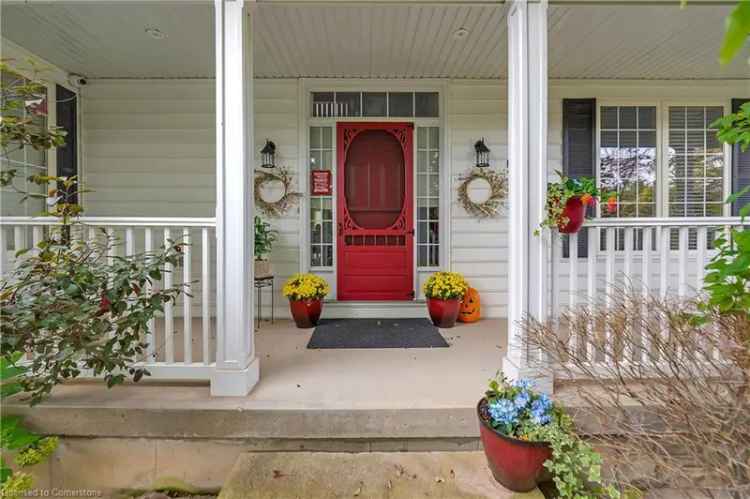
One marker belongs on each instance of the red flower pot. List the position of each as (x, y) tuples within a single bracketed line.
[(443, 312), (517, 464), (575, 212), (306, 312)]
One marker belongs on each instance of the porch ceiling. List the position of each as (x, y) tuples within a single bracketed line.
[(374, 41)]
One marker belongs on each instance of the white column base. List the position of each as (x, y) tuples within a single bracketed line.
[(541, 375), (234, 382)]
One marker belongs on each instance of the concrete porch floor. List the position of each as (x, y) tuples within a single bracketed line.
[(293, 377), (362, 394), (307, 400)]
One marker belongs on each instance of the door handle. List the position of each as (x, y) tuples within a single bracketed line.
[(341, 229)]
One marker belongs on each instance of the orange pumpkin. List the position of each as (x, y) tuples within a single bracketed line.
[(470, 309)]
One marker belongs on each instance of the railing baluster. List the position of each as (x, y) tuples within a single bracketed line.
[(645, 290), (683, 262), (3, 252), (628, 263), (646, 262), (37, 234), (148, 247), (664, 243), (129, 242), (572, 285), (664, 250), (19, 239), (593, 234), (109, 234), (168, 307), (700, 256), (206, 293), (610, 290), (555, 276), (187, 311), (628, 350)]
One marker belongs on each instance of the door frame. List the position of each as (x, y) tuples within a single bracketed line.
[(408, 148), (305, 87)]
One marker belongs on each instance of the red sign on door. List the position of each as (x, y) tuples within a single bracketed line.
[(320, 181)]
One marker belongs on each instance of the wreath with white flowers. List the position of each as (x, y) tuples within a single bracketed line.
[(288, 199), (490, 207)]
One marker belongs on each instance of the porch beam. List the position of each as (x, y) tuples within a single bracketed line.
[(527, 163), (237, 367)]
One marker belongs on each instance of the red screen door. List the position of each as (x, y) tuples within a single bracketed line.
[(375, 214)]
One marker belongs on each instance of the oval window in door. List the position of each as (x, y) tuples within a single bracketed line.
[(374, 179)]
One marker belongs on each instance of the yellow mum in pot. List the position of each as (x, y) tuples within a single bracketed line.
[(444, 291), (305, 292), (306, 287), (445, 286)]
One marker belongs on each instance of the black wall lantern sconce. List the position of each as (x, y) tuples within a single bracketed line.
[(268, 155), (482, 153)]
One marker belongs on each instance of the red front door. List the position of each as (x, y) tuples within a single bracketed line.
[(375, 214)]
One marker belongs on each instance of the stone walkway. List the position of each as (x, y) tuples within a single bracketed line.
[(376, 475)]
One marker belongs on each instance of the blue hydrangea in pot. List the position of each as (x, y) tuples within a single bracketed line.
[(508, 416), (528, 439)]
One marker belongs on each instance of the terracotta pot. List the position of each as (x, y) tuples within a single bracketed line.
[(517, 464), (443, 312), (575, 211), (306, 312)]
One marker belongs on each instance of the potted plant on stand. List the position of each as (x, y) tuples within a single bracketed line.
[(444, 292), (305, 292), (528, 439), (567, 201), (264, 239)]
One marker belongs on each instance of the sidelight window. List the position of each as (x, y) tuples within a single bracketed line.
[(321, 207), (428, 196)]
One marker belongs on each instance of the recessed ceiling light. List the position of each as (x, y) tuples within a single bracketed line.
[(155, 33), (460, 33)]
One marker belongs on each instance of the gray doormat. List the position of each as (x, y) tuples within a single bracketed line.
[(376, 333)]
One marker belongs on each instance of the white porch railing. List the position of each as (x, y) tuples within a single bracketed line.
[(662, 257), (181, 344)]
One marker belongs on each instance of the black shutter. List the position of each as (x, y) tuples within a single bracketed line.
[(579, 150), (67, 118), (740, 167)]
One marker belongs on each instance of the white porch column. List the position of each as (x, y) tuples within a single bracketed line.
[(527, 153), (237, 367)]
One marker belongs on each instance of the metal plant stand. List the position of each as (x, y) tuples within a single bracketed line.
[(260, 283)]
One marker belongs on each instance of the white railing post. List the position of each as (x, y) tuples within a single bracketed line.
[(527, 161), (237, 368)]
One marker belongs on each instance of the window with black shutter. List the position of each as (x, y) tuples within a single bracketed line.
[(579, 150), (67, 118)]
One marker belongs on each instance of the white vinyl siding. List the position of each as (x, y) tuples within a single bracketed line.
[(479, 248), (149, 150)]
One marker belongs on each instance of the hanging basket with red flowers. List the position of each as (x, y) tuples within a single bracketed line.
[(568, 200)]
